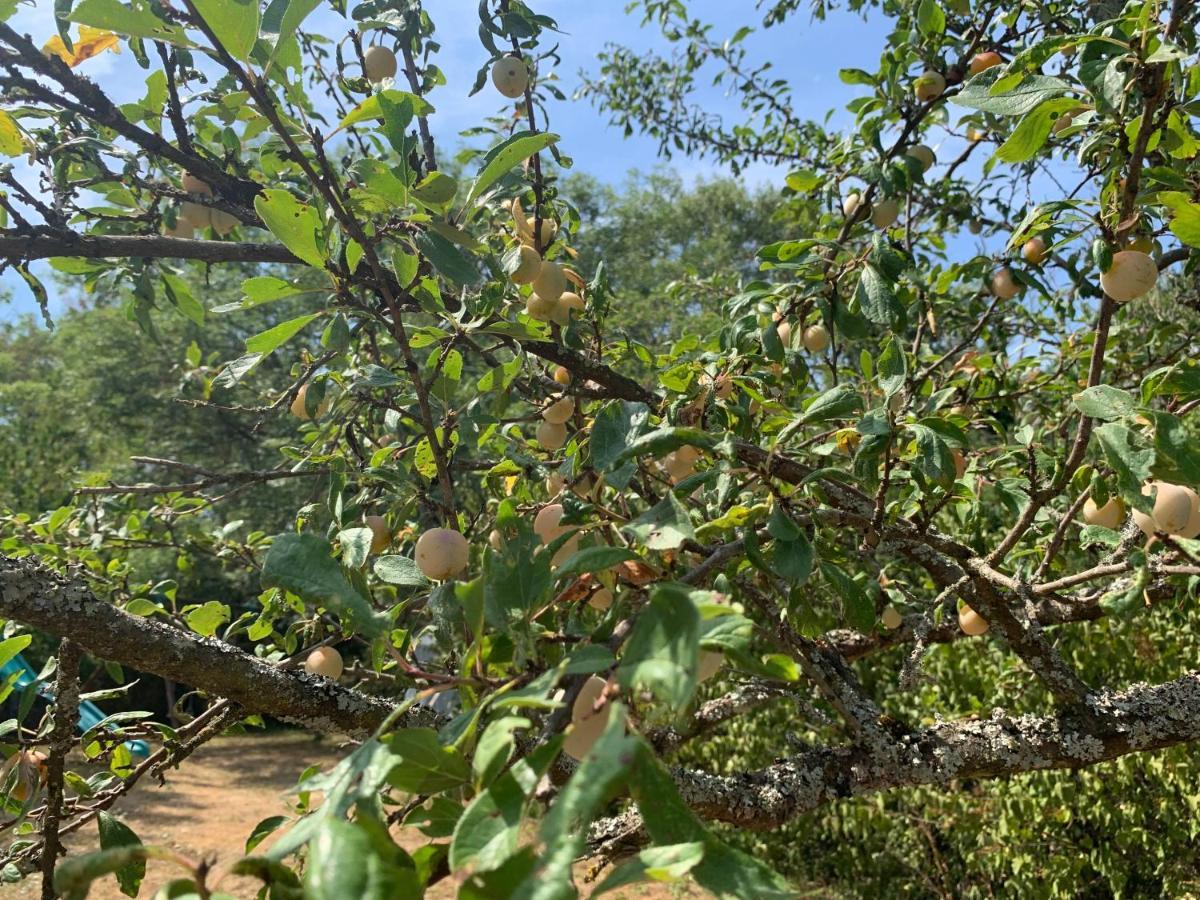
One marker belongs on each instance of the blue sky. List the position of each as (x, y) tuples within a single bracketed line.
[(807, 54)]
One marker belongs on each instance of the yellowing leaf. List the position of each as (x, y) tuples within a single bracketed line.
[(11, 143), (91, 42)]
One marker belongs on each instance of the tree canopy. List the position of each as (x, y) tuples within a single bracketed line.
[(559, 544)]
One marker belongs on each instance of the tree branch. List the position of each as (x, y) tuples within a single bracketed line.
[(34, 594)]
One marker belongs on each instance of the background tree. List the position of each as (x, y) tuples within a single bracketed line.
[(887, 447)]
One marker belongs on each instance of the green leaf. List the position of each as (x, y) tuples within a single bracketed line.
[(1176, 454), (933, 460), (370, 108), (660, 864), (930, 17), (487, 834), (580, 801), (1018, 101), (836, 403), (426, 766), (268, 341), (663, 440), (234, 23), (180, 294), (304, 565), (662, 651), (892, 366), (75, 874), (504, 156), (1032, 131), (495, 748), (594, 559), (857, 604), (134, 19), (344, 861), (10, 647), (664, 526), (876, 297), (723, 871), (1105, 402), (296, 224), (356, 546), (265, 829), (436, 189), (208, 617), (281, 21), (399, 570), (1129, 458), (115, 833), (1185, 221), (448, 259)]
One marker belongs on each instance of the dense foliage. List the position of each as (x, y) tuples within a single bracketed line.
[(864, 503)]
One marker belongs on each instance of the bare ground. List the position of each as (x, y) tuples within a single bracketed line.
[(213, 801)]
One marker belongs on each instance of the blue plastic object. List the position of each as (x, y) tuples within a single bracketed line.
[(90, 714)]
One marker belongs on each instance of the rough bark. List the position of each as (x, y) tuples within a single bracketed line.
[(37, 596), (18, 246)]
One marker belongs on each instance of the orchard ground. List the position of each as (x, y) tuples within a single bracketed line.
[(209, 805)]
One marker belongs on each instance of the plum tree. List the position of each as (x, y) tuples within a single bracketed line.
[(467, 394)]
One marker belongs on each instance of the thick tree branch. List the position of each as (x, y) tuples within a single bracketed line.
[(1135, 720), (16, 245), (35, 595)]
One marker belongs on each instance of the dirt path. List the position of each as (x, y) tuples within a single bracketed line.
[(212, 802)]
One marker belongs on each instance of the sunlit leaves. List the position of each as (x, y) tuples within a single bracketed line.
[(234, 24), (296, 224), (304, 565), (135, 19), (661, 653)]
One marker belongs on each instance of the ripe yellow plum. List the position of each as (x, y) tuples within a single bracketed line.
[(1173, 509), (1034, 250), (299, 406), (815, 338), (551, 436), (1004, 285), (586, 723), (550, 282), (510, 76), (379, 63), (922, 154), (929, 86), (885, 213), (709, 664), (442, 553), (194, 185), (981, 62), (971, 622), (381, 535), (324, 661), (559, 411), (1110, 515), (562, 310), (1132, 274), (528, 267)]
